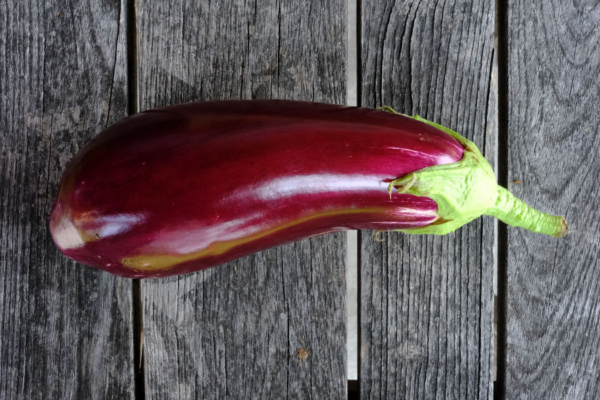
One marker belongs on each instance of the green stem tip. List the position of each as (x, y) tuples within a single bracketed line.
[(515, 212)]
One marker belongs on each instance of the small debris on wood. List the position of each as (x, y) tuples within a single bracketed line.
[(516, 182), (377, 238), (302, 354)]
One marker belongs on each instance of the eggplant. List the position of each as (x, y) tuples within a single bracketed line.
[(187, 187)]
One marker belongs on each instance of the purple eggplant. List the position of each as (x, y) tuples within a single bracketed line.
[(187, 187)]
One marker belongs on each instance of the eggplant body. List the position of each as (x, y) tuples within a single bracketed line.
[(187, 187)]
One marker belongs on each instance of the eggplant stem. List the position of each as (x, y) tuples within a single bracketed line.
[(466, 189), (515, 212)]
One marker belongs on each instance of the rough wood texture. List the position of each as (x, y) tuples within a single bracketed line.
[(427, 302), (234, 331), (65, 329), (554, 140)]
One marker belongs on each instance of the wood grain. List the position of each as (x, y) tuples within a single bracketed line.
[(427, 302), (234, 331), (66, 329), (553, 331)]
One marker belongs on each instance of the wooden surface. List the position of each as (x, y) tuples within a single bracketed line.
[(427, 302), (554, 147), (65, 329), (235, 331)]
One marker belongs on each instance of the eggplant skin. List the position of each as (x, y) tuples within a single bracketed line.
[(187, 187)]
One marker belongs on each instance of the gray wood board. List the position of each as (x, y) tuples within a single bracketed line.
[(66, 329), (234, 330), (427, 302), (553, 329)]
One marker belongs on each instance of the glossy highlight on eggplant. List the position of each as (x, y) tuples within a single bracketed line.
[(187, 187)]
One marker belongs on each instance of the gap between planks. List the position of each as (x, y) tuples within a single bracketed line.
[(352, 272), (501, 299), (133, 108)]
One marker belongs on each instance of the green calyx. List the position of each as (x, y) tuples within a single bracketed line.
[(466, 190)]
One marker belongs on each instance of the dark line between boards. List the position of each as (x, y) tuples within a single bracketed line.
[(132, 55), (136, 291), (138, 331), (502, 278), (359, 308), (359, 82)]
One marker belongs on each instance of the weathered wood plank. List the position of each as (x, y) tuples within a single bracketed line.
[(234, 331), (553, 329), (427, 302), (65, 329)]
